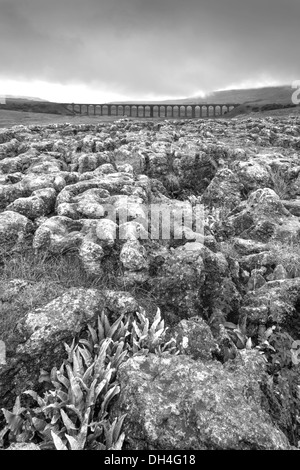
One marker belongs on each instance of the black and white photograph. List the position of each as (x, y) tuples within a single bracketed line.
[(150, 228)]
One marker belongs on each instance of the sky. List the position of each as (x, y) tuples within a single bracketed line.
[(96, 51)]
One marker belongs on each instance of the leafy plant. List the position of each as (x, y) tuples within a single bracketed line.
[(74, 413), (277, 348), (286, 253), (238, 336), (145, 338)]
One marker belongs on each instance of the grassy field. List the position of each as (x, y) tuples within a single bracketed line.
[(10, 118), (14, 118)]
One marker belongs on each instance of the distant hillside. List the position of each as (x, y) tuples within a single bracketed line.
[(23, 98), (34, 106), (260, 96), (252, 99)]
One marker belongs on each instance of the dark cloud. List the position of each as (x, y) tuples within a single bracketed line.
[(142, 47)]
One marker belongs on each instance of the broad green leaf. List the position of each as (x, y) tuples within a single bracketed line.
[(70, 373), (76, 394), (87, 357), (81, 437), (67, 421), (62, 379), (101, 333), (109, 396), (108, 433), (119, 443), (87, 344), (13, 421), (156, 321), (90, 398), (269, 331), (141, 315), (39, 424), (136, 329), (230, 326), (74, 444), (108, 373), (2, 434), (59, 445), (53, 374), (120, 333), (106, 325), (100, 387), (115, 327), (118, 427), (240, 336), (87, 376), (119, 349), (69, 349), (17, 409), (82, 384), (100, 359), (93, 334), (77, 364), (118, 359), (146, 328), (157, 335)]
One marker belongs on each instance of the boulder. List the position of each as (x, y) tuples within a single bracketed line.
[(133, 256), (175, 402), (39, 204), (224, 189), (58, 234), (14, 228)]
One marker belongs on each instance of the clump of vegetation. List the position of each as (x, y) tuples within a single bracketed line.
[(282, 388), (276, 345), (288, 255), (282, 384), (73, 414), (281, 183)]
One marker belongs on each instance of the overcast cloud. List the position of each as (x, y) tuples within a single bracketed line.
[(138, 49)]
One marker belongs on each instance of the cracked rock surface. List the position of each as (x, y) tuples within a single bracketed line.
[(197, 217)]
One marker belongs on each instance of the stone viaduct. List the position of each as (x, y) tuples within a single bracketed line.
[(151, 110)]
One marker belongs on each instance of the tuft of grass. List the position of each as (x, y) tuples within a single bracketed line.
[(17, 299), (46, 276), (287, 254), (281, 183)]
